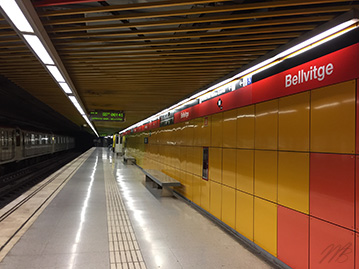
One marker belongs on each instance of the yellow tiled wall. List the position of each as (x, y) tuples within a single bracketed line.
[(333, 118), (258, 156), (215, 207), (266, 125), (265, 225), (245, 127), (244, 214), (294, 122), (293, 180), (245, 170), (229, 206), (265, 174)]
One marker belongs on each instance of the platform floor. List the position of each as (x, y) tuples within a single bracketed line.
[(106, 217)]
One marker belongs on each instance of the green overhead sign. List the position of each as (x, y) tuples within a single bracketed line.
[(107, 115)]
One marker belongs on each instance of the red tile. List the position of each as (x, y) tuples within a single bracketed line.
[(357, 120), (357, 194), (331, 246), (293, 238), (356, 251), (332, 188)]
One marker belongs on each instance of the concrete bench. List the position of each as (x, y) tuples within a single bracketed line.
[(127, 158), (161, 181)]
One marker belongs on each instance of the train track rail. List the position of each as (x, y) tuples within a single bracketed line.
[(14, 184), (17, 215)]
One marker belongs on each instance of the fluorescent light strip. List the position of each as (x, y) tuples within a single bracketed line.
[(318, 37), (305, 46), (15, 14), (55, 72), (65, 87), (90, 124), (322, 41), (39, 49), (294, 51), (77, 105)]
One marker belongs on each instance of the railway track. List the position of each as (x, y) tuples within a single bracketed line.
[(14, 184), (23, 210)]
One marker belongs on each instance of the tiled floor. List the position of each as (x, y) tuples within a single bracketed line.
[(106, 201)]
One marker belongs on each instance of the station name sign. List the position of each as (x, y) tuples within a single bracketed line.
[(100, 115), (307, 75)]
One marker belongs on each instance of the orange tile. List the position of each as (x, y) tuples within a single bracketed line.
[(331, 246), (197, 158), (294, 122), (217, 130), (244, 214), (265, 175), (266, 125), (183, 158), (202, 132), (188, 186), (245, 170), (229, 167), (293, 180), (293, 238), (190, 160), (196, 190), (205, 194), (216, 200), (230, 129), (265, 225), (245, 127), (332, 191), (215, 164), (333, 118), (188, 133), (229, 206)]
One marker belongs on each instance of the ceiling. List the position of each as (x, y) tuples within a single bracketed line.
[(141, 56)]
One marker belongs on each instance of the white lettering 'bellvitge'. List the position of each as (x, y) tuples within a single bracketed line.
[(313, 73), (184, 114)]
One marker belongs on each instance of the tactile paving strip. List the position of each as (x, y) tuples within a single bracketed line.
[(125, 252)]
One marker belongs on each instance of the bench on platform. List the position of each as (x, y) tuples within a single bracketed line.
[(161, 181), (127, 158)]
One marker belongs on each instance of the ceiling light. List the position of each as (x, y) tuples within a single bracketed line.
[(15, 14), (77, 105), (39, 49), (320, 37), (90, 124), (65, 87), (335, 35), (55, 72)]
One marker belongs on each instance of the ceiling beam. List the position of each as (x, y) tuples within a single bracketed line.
[(46, 3), (236, 53), (112, 8), (201, 11), (229, 37), (248, 52), (155, 62), (177, 48), (187, 30)]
